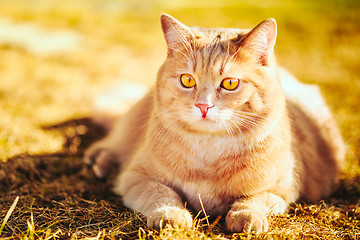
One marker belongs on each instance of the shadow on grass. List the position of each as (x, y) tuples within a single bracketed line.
[(64, 196), (61, 192), (26, 174)]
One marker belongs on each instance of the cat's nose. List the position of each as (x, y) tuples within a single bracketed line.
[(203, 108)]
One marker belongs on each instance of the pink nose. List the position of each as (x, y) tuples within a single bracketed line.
[(203, 108)]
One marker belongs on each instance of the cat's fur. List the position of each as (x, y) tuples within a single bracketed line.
[(257, 149)]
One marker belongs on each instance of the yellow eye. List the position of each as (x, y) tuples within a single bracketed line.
[(187, 80), (230, 83)]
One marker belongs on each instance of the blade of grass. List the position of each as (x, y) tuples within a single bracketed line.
[(214, 223), (202, 207), (50, 235), (8, 214), (31, 225)]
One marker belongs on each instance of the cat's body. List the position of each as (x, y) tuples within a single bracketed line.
[(242, 152)]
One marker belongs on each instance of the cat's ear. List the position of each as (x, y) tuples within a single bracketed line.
[(261, 40), (175, 32)]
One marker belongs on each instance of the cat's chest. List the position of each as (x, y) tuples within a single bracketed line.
[(205, 172), (210, 171), (197, 158), (203, 152)]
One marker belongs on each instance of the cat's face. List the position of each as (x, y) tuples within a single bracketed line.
[(216, 81)]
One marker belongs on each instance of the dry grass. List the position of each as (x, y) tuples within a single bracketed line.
[(47, 98)]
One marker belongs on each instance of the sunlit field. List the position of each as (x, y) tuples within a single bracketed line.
[(56, 57)]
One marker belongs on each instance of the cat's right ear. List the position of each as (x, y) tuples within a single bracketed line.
[(176, 34)]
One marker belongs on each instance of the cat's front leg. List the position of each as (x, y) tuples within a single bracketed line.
[(159, 203), (250, 214)]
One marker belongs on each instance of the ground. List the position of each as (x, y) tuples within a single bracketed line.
[(47, 92)]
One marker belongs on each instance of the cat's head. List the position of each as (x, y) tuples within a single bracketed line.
[(220, 81)]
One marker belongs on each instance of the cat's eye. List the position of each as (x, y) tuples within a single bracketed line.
[(187, 81), (230, 83)]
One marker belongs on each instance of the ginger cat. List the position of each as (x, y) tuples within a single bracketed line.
[(224, 124)]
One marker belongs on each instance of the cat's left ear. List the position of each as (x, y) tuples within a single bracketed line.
[(175, 32), (261, 40)]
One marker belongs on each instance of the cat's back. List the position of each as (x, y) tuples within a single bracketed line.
[(317, 141)]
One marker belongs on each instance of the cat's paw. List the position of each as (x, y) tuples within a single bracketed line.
[(170, 215), (102, 160), (246, 221)]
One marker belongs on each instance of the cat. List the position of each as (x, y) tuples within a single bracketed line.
[(224, 129)]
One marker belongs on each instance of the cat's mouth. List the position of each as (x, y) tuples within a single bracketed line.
[(206, 119), (206, 125)]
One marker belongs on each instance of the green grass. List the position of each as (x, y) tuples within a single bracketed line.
[(46, 100)]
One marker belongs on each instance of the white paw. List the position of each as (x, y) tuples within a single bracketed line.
[(170, 215), (246, 221)]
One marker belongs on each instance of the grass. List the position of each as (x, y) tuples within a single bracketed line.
[(47, 99)]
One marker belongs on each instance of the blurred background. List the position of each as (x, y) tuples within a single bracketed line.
[(57, 56)]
